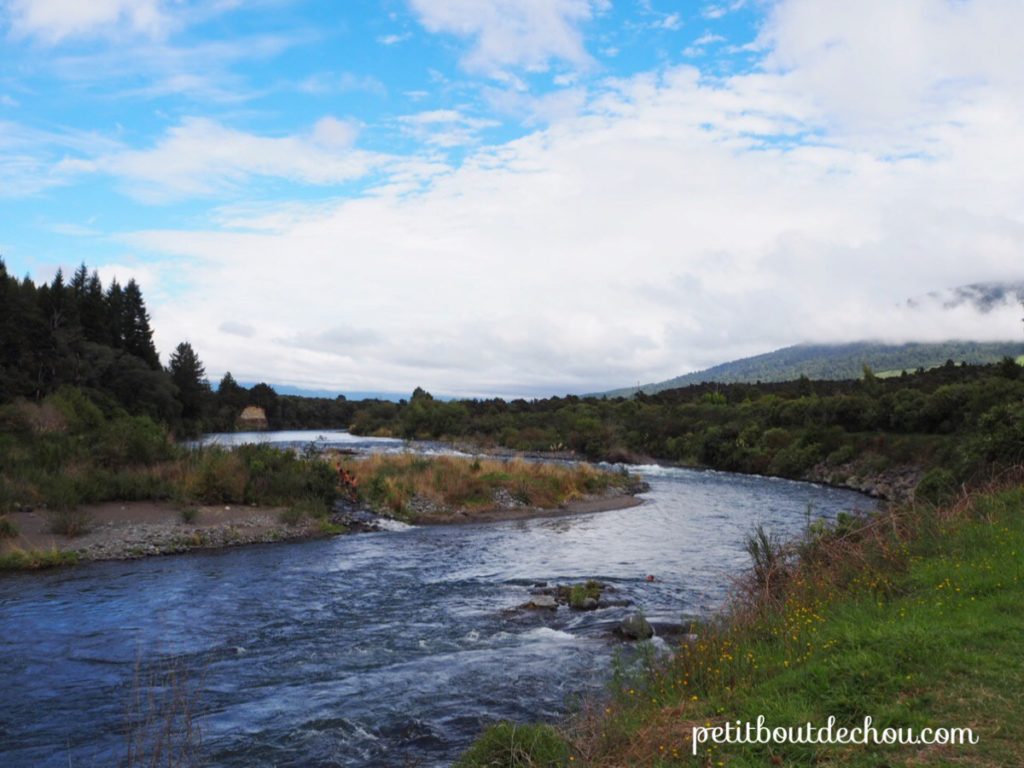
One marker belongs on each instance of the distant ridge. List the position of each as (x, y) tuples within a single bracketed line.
[(837, 361)]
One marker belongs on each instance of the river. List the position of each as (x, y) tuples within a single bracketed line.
[(376, 649)]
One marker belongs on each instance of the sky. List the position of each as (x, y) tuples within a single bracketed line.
[(517, 197)]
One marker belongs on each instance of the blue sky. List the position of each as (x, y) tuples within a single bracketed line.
[(529, 197)]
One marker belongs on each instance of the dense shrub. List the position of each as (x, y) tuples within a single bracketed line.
[(937, 487), (133, 440)]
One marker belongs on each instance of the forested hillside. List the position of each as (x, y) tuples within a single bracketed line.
[(837, 361)]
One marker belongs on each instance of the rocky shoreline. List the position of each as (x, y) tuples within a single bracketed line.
[(128, 530)]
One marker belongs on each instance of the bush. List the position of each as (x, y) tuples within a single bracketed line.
[(794, 460), (61, 493), (69, 522), (216, 476), (937, 487), (133, 440), (8, 530), (507, 745), (80, 413)]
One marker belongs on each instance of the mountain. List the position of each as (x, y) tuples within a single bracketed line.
[(838, 361)]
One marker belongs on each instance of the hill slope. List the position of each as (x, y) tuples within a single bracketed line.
[(837, 361)]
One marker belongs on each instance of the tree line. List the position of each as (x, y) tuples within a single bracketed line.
[(98, 338)]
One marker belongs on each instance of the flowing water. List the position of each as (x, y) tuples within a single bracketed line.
[(377, 649)]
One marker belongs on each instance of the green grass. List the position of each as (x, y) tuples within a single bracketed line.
[(578, 593), (516, 746), (931, 638), (32, 559)]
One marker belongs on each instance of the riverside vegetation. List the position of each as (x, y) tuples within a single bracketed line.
[(417, 488), (910, 616)]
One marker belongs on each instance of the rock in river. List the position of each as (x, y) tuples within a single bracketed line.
[(635, 627), (542, 601)]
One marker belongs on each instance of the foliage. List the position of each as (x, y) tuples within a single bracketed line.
[(965, 418), (507, 745), (65, 451), (69, 522), (8, 530), (937, 487), (189, 376), (589, 590), (31, 559), (391, 482)]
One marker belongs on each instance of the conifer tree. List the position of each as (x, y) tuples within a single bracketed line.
[(189, 375), (135, 330)]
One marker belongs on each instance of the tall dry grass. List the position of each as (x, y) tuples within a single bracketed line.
[(392, 481)]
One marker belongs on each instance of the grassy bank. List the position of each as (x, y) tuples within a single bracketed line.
[(912, 617), (414, 487)]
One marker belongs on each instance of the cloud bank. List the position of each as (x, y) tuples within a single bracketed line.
[(657, 224)]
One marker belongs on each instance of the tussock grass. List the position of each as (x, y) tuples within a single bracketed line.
[(391, 482), (69, 522)]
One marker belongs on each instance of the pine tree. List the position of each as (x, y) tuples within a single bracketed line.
[(135, 330), (115, 310), (92, 311), (189, 375)]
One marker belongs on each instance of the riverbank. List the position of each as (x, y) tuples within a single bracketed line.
[(894, 484), (124, 530), (910, 616), (410, 488)]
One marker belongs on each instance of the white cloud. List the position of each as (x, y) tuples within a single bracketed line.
[(883, 67), (52, 21), (668, 222), (511, 34), (708, 38), (445, 127), (30, 158), (393, 39), (200, 157), (717, 11), (671, 22)]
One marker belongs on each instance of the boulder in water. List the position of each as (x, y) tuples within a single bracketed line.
[(542, 602), (636, 627)]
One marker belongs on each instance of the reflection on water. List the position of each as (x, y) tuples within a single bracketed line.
[(370, 649)]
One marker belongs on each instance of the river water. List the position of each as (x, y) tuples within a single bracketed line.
[(377, 649)]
